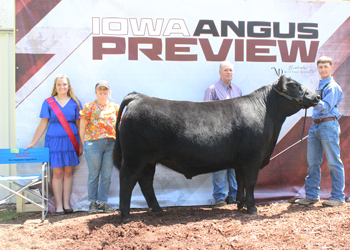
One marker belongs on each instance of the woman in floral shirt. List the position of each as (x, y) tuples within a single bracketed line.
[(97, 127)]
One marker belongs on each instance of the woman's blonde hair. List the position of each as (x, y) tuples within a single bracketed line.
[(70, 90)]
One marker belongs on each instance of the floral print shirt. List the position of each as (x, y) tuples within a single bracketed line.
[(101, 120)]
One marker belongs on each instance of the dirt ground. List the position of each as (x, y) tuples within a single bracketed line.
[(278, 226)]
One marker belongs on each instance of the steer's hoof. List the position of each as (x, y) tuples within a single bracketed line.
[(241, 205), (126, 219), (156, 210), (253, 211)]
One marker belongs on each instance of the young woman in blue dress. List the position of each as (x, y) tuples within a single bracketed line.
[(63, 156)]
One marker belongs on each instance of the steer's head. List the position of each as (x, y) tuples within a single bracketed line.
[(293, 90)]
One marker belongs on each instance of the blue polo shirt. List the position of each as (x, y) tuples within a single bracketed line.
[(331, 97)]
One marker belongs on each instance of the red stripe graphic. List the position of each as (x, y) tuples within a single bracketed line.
[(289, 169), (31, 12), (27, 65)]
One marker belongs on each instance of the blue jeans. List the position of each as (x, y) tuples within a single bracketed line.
[(219, 183), (324, 136), (98, 155)]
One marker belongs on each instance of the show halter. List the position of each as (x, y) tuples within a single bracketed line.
[(299, 99)]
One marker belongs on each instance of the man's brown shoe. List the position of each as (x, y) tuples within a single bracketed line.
[(220, 203), (307, 201), (332, 203)]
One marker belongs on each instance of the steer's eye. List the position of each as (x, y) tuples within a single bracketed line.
[(298, 87)]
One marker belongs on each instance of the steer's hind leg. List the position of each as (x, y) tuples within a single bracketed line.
[(128, 178), (146, 185)]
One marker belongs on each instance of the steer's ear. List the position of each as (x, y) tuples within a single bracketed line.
[(281, 83)]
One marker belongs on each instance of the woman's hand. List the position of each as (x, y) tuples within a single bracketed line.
[(81, 150), (39, 132), (31, 145)]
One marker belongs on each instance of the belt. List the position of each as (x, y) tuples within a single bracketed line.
[(318, 121)]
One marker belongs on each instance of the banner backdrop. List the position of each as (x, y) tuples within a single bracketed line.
[(172, 50)]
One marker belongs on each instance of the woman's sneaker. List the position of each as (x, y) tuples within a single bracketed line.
[(105, 208), (93, 208)]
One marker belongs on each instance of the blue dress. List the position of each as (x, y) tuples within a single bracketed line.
[(62, 152)]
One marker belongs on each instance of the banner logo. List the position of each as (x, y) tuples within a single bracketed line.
[(292, 69), (278, 72)]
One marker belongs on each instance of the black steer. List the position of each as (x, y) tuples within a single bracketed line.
[(194, 138)]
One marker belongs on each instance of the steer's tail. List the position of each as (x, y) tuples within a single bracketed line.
[(117, 154)]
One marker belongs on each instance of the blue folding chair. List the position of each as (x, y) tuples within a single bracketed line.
[(31, 155)]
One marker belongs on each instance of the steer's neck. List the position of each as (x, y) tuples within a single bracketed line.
[(280, 107)]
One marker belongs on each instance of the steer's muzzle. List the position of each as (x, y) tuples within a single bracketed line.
[(311, 98)]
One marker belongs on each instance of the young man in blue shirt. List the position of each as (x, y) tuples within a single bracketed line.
[(324, 135)]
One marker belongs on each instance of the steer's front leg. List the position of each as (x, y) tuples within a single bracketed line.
[(251, 208), (249, 183), (240, 188)]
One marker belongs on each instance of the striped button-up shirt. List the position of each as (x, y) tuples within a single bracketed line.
[(222, 91)]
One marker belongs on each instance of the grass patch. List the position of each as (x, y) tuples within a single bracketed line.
[(11, 215)]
